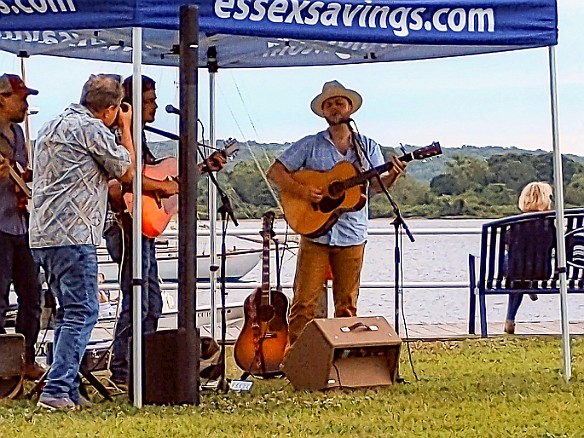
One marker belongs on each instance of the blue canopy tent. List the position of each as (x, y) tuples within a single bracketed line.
[(276, 33)]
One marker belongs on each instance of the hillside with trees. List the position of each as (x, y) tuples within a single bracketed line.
[(468, 182)]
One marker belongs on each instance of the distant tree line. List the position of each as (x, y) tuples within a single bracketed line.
[(469, 187)]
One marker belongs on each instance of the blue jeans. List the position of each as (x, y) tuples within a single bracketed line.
[(513, 306), (151, 299), (71, 273)]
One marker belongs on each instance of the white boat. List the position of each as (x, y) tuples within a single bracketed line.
[(241, 258)]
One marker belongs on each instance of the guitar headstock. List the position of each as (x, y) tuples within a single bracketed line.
[(231, 147), (428, 151), (268, 224)]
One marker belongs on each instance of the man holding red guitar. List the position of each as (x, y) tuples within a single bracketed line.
[(341, 244), (119, 238), (16, 263)]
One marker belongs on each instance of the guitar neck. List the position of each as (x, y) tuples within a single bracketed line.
[(266, 235), (365, 176)]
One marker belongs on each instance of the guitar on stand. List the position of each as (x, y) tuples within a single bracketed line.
[(259, 349), (343, 190), (156, 211)]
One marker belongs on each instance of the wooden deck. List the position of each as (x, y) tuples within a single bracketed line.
[(452, 331), (104, 331)]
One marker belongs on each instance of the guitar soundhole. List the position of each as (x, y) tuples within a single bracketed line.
[(336, 189), (329, 204), (266, 313)]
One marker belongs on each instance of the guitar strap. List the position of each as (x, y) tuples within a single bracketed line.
[(356, 142)]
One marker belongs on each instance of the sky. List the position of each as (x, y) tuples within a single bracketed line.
[(497, 99)]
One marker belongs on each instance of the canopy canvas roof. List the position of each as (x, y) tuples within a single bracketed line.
[(274, 33)]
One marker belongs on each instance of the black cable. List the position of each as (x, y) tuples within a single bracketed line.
[(401, 286)]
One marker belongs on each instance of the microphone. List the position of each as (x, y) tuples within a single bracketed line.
[(170, 109), (347, 121)]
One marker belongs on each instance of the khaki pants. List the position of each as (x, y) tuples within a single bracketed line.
[(311, 268)]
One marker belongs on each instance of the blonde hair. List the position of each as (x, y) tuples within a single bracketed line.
[(535, 196)]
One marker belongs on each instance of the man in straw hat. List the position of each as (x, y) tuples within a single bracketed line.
[(342, 247), (16, 263)]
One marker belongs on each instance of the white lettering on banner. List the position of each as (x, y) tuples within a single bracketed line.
[(349, 14), (383, 12), (314, 13), (243, 10), (51, 37), (330, 17), (341, 49), (436, 20), (260, 11), (36, 6), (277, 10), (481, 16), (401, 20), (296, 15), (222, 8)]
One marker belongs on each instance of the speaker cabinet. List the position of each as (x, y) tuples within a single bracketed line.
[(344, 353), (171, 367)]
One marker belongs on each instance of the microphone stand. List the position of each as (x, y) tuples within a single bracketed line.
[(398, 224), (226, 212)]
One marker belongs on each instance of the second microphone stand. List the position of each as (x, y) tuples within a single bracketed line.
[(398, 224), (226, 212)]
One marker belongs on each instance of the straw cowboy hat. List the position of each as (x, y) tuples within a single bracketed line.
[(335, 89)]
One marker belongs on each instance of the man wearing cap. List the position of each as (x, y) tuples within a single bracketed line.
[(16, 263), (342, 247)]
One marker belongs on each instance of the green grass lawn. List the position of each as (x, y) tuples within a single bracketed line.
[(500, 387)]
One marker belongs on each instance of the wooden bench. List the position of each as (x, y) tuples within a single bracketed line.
[(518, 255)]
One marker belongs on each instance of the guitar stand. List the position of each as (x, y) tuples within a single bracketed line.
[(84, 373)]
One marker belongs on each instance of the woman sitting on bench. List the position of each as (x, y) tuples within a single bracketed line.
[(535, 196)]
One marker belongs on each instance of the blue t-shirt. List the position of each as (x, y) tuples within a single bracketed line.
[(318, 152)]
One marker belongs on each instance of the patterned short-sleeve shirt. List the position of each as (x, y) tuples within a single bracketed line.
[(318, 152), (75, 154)]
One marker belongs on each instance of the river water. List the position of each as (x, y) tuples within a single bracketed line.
[(430, 258)]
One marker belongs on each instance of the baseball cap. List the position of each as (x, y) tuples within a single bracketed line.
[(10, 83)]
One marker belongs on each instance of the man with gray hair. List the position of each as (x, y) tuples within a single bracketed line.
[(75, 155)]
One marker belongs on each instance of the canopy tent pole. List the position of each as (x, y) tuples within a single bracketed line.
[(559, 206), (23, 55), (212, 193), (137, 218), (188, 356)]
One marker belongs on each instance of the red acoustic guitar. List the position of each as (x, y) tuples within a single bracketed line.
[(259, 349), (156, 211)]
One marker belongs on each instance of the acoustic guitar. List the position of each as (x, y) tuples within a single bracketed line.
[(157, 211), (259, 349), (343, 190)]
